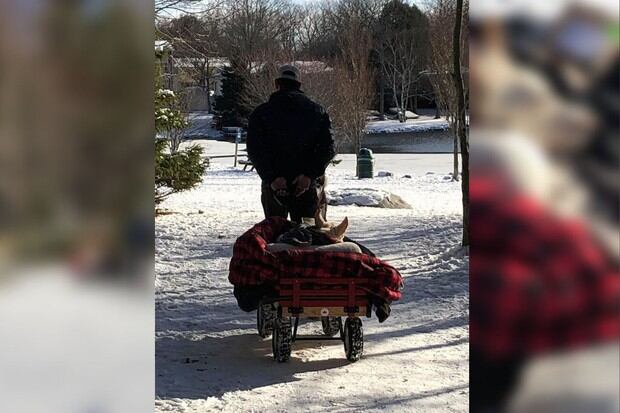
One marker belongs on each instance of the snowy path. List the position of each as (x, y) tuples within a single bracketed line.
[(209, 357)]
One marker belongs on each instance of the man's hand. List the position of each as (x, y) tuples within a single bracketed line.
[(302, 183), (278, 184)]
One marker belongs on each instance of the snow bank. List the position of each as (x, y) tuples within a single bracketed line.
[(366, 197), (394, 126)]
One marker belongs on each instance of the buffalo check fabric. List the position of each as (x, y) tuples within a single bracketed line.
[(538, 282), (253, 265)]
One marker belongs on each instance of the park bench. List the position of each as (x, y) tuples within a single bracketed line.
[(246, 164)]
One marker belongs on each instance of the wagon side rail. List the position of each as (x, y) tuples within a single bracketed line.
[(303, 295)]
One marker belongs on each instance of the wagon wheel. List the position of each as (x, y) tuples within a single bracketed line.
[(353, 338), (282, 339), (331, 325), (265, 315)]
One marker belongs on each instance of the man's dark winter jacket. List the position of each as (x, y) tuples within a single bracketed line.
[(288, 136)]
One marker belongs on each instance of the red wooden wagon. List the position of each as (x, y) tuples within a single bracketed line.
[(309, 284), (327, 298)]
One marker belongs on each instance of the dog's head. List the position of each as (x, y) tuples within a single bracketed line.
[(334, 232)]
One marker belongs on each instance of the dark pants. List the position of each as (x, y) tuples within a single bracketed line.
[(303, 206)]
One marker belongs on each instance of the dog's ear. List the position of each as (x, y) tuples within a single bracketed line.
[(341, 228)]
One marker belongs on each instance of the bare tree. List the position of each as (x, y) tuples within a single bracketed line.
[(335, 42), (354, 81), (400, 64), (342, 13), (254, 26), (318, 79), (315, 36), (336, 39), (259, 34), (259, 77), (162, 6), (196, 42), (402, 49), (441, 15), (460, 122), (165, 9)]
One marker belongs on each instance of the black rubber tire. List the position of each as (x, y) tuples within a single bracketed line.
[(282, 339), (353, 338), (265, 315), (331, 325)]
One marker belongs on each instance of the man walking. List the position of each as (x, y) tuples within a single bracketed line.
[(290, 144)]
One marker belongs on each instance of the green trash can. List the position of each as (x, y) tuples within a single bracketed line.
[(365, 164)]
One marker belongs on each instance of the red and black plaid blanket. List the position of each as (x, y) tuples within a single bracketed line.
[(537, 281), (252, 265)]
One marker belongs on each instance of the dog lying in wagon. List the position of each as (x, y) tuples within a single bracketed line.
[(286, 271)]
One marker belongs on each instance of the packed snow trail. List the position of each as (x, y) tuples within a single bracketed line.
[(209, 356)]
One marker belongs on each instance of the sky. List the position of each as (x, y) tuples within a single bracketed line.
[(485, 8), (419, 3)]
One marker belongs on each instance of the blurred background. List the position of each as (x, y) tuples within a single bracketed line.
[(544, 140), (76, 205)]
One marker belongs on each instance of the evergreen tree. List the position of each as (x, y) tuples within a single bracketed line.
[(176, 169), (230, 104)]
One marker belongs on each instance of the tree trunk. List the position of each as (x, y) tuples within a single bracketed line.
[(204, 83), (396, 102), (403, 101), (170, 72), (460, 121), (455, 172), (357, 146), (381, 91), (207, 91)]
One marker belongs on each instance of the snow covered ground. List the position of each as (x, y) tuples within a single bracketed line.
[(422, 124), (209, 357), (200, 126)]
